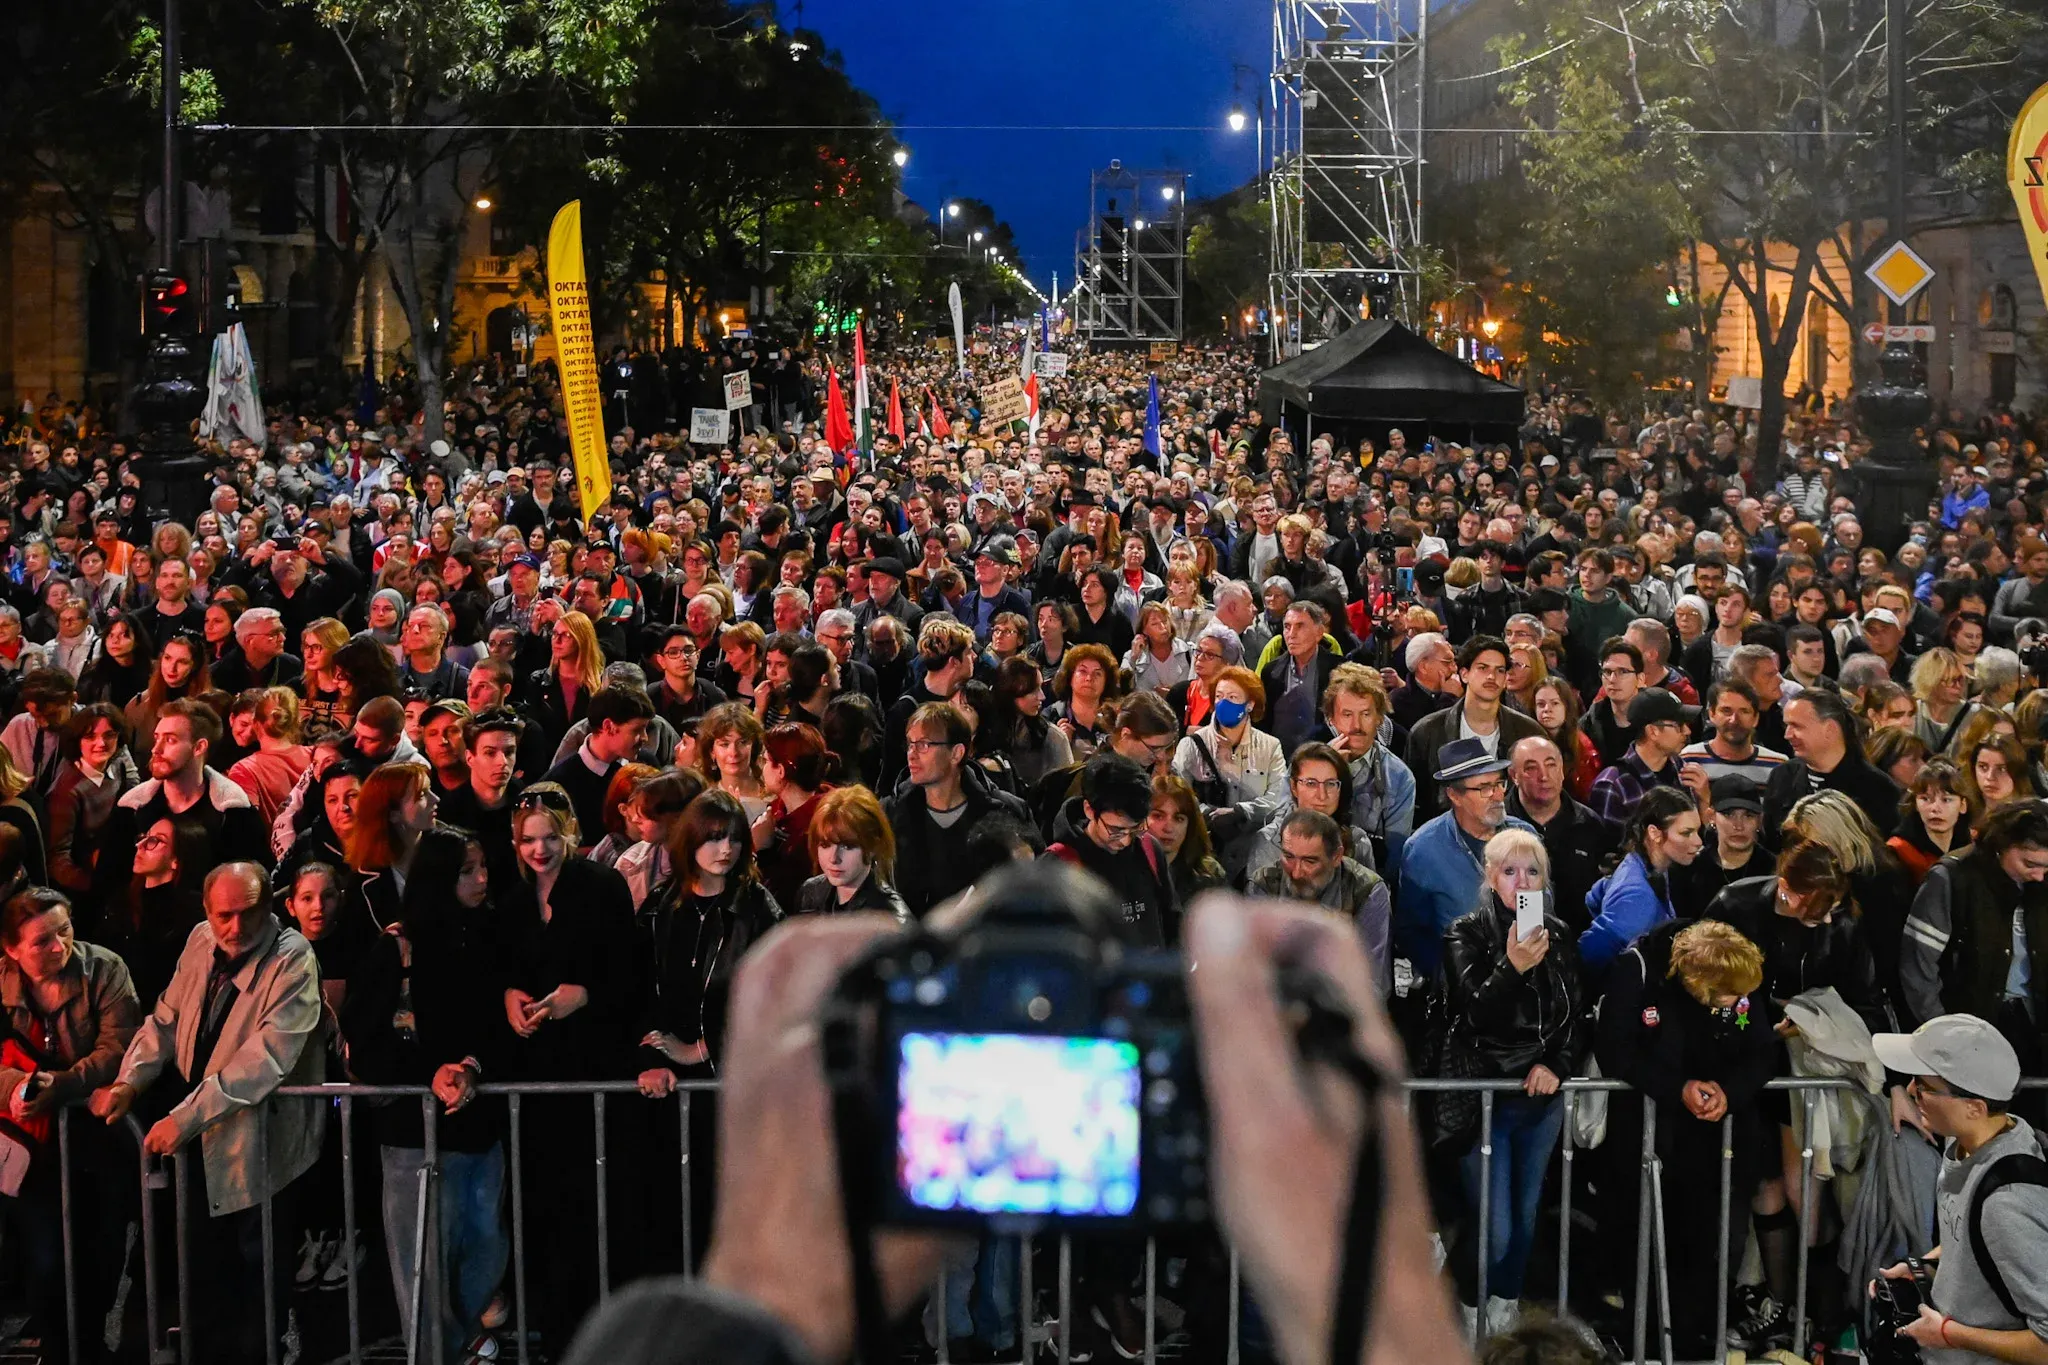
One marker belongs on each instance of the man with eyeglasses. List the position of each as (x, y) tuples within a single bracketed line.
[(1441, 865), (1103, 831), (1989, 1299), (947, 797), (679, 695), (1663, 727), (837, 631), (1621, 678)]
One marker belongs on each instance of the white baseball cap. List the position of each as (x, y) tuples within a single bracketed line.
[(1961, 1049)]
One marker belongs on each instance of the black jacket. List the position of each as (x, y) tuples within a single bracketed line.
[(819, 897), (587, 941), (1798, 957), (1515, 1020), (1653, 1034), (931, 863), (1137, 875), (696, 945), (1873, 791), (1582, 849)]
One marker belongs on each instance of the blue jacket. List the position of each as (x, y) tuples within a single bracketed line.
[(1440, 881), (1625, 904)]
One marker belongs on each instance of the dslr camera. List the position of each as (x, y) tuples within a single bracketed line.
[(1027, 1069)]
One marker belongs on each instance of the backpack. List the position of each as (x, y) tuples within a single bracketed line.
[(2021, 1168)]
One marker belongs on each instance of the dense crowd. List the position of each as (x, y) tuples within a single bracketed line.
[(395, 765)]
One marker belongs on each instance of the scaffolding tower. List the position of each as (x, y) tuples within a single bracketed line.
[(1130, 262), (1346, 170)]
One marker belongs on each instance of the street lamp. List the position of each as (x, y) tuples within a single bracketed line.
[(1166, 193), (977, 235), (1237, 118), (1140, 225), (901, 156), (483, 203), (1491, 326), (953, 210)]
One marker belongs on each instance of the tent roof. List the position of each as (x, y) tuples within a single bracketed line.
[(1382, 371)]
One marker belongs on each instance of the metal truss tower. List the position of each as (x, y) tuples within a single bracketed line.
[(1346, 165), (1130, 263)]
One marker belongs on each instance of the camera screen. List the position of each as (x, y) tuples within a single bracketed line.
[(1018, 1123)]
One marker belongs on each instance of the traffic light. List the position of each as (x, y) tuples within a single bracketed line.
[(169, 307)]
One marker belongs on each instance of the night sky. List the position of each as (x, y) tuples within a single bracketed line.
[(1119, 63)]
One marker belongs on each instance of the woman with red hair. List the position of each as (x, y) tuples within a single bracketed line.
[(793, 767)]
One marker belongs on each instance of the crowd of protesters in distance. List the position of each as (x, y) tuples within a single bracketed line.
[(398, 765)]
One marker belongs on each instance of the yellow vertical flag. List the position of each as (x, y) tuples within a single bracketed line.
[(2026, 171), (576, 357)]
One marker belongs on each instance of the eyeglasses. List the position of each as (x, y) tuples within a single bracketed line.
[(152, 841), (1327, 786), (927, 744), (1483, 786), (679, 652), (542, 798), (1117, 834)]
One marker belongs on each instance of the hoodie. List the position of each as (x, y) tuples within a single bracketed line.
[(1136, 875)]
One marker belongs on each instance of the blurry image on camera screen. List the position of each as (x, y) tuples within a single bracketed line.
[(1017, 1123)]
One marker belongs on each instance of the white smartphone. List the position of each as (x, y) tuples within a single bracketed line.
[(1528, 913)]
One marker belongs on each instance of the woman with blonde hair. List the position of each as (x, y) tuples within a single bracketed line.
[(319, 642), (1941, 689), (1514, 1005), (855, 850), (270, 774), (1879, 885), (569, 974), (1526, 673), (559, 695), (732, 742)]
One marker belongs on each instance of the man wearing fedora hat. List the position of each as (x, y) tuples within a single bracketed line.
[(1441, 864)]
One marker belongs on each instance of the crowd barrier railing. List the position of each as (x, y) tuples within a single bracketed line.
[(170, 1344)]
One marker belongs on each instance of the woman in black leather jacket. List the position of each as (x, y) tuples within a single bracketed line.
[(851, 842), (720, 909), (1513, 1005)]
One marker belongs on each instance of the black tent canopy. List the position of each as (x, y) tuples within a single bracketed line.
[(1380, 373)]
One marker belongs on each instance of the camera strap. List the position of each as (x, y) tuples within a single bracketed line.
[(1357, 1277)]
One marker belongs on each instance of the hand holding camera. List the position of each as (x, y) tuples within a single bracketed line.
[(920, 1082)]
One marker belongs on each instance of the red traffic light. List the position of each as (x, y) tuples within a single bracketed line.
[(167, 295)]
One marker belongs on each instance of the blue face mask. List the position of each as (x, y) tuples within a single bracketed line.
[(1229, 713)]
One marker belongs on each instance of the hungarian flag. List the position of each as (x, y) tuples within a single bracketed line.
[(863, 419), (895, 410), (838, 431), (940, 429)]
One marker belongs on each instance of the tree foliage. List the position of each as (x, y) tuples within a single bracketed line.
[(1763, 123)]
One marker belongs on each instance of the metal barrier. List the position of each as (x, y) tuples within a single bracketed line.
[(424, 1309)]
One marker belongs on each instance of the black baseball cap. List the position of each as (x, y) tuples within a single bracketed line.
[(1734, 791), (1654, 704)]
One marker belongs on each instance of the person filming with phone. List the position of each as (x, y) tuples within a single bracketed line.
[(1513, 1009), (1989, 1296)]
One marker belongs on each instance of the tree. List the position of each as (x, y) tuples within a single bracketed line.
[(1230, 253), (422, 94), (1593, 303), (1765, 122)]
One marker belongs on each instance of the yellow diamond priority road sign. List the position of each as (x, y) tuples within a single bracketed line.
[(1900, 273)]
